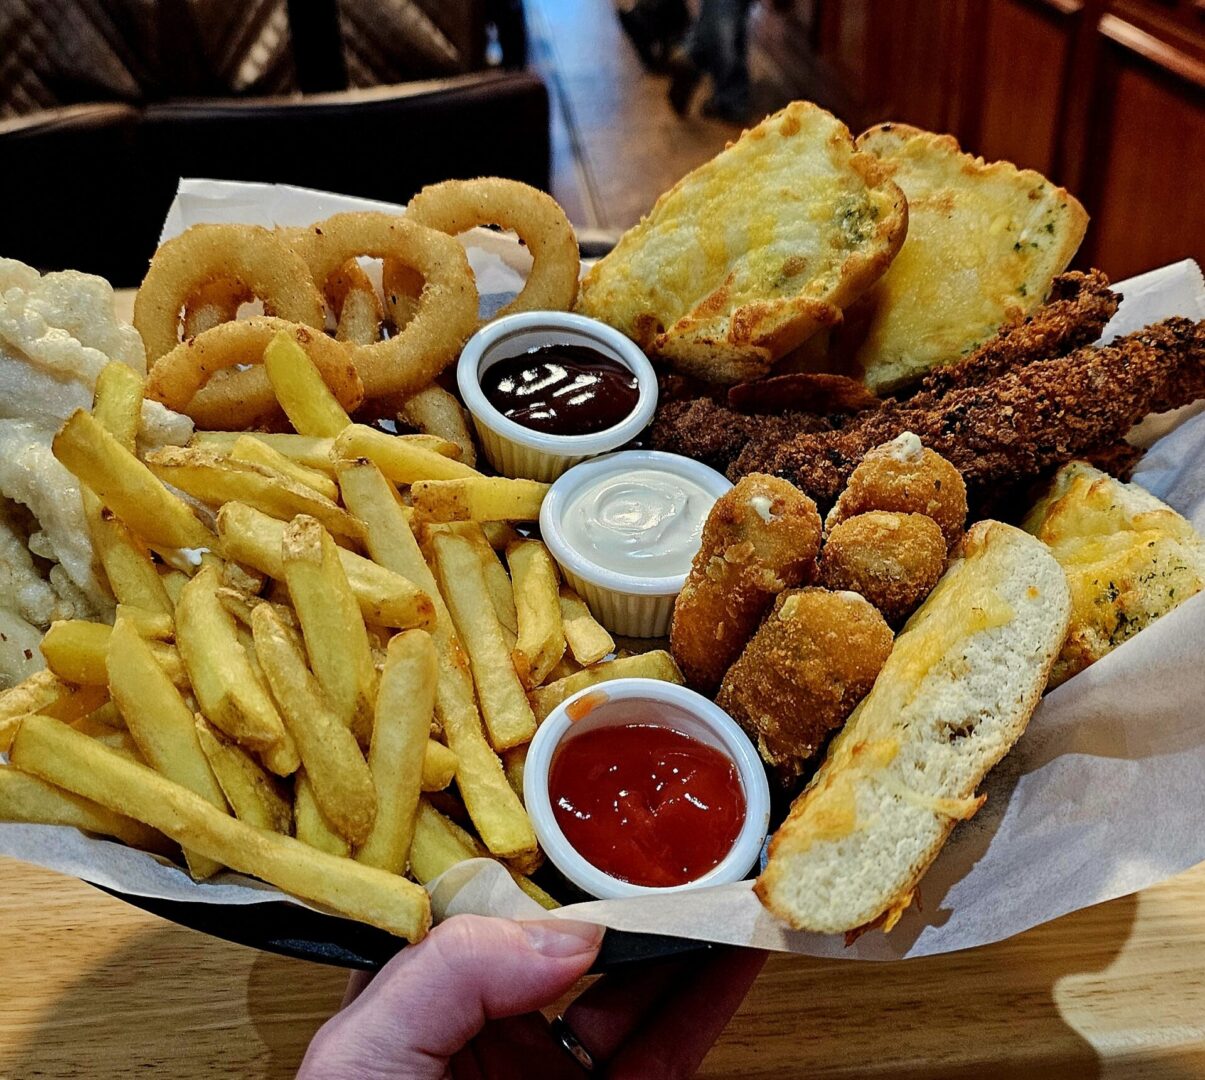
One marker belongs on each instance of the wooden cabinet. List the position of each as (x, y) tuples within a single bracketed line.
[(1104, 96)]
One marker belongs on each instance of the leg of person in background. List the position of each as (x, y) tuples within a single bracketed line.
[(716, 45)]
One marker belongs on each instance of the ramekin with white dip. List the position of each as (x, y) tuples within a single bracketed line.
[(624, 529), (530, 446)]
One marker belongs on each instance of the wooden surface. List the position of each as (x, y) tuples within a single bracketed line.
[(94, 988)]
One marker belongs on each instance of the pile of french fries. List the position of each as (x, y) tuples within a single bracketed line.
[(329, 653)]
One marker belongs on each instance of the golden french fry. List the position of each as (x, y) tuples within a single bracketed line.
[(221, 675), (385, 598), (305, 450), (310, 825), (335, 637), (307, 401), (650, 665), (253, 449), (401, 461), (126, 485), (98, 721), (437, 412), (497, 580), (162, 725), (27, 799), (51, 750), (173, 583), (483, 498), (117, 402), (44, 692), (499, 534), (514, 761), (126, 560), (587, 639), (399, 744), (252, 793), (246, 580), (565, 667), (498, 816), (75, 650), (152, 625), (240, 605), (337, 770), (121, 740), (534, 581), (504, 707), (215, 480), (439, 765)]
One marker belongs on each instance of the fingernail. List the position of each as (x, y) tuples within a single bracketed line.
[(562, 937)]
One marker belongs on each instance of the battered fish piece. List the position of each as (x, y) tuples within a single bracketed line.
[(893, 560), (760, 538), (1014, 427), (813, 659), (904, 476)]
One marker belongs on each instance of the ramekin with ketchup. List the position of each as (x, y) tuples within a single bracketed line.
[(639, 786), (547, 389)]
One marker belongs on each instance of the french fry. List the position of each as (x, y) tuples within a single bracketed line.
[(335, 637), (305, 450), (497, 580), (221, 675), (98, 721), (75, 650), (253, 449), (126, 560), (117, 402), (126, 485), (504, 707), (385, 598), (307, 401), (541, 640), (587, 639), (27, 799), (514, 761), (236, 576), (152, 625), (173, 584), (437, 412), (499, 534), (121, 740), (401, 461), (309, 824), (650, 665), (399, 744), (240, 605), (484, 498), (498, 816), (439, 765), (216, 480), (44, 692), (565, 667), (439, 844), (162, 726), (337, 770), (51, 750), (251, 792)]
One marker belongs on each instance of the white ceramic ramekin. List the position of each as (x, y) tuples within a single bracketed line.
[(704, 721), (623, 603), (517, 451)]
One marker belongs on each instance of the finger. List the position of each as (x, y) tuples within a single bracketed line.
[(606, 1014), (432, 998), (516, 1046), (356, 982), (675, 1040)]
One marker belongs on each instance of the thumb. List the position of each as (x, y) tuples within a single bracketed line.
[(432, 998)]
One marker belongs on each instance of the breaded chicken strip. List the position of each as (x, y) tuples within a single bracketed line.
[(813, 659), (893, 560), (760, 538)]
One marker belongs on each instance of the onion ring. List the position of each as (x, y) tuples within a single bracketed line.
[(185, 380), (215, 302), (403, 286), (457, 205), (247, 254), (447, 313), (357, 306)]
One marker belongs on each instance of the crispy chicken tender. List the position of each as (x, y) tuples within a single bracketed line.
[(760, 538), (905, 476), (814, 658), (893, 560)]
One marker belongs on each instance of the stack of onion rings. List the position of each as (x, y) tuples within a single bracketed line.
[(457, 205), (214, 302), (247, 254), (185, 380)]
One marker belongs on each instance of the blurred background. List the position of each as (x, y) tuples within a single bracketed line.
[(104, 104)]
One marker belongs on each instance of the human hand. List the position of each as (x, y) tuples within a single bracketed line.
[(463, 1003)]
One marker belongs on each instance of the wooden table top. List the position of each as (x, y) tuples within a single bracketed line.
[(94, 988)]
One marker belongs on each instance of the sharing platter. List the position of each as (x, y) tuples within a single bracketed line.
[(804, 494)]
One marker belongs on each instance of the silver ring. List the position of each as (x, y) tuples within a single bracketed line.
[(563, 1033)]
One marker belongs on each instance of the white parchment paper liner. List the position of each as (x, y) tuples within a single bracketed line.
[(1103, 796)]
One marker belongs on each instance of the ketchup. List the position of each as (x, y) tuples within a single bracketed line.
[(562, 389), (646, 803)]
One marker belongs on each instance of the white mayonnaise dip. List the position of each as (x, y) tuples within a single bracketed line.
[(642, 522)]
